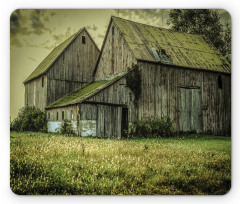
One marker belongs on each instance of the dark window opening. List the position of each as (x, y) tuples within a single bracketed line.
[(71, 116), (220, 82), (163, 51), (83, 40), (57, 115), (42, 81), (48, 116), (62, 115), (112, 30), (124, 122)]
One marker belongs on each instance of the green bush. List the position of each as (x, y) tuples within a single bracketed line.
[(30, 119), (66, 128), (160, 127)]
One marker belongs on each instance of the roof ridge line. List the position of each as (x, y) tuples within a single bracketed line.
[(168, 29), (73, 36)]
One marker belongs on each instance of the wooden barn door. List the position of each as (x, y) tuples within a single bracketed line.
[(124, 124), (189, 109)]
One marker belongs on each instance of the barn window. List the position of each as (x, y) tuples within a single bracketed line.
[(62, 115), (42, 81), (83, 39), (71, 114), (219, 81), (112, 30), (48, 115), (57, 115)]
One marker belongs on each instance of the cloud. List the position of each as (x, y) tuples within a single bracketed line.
[(14, 22), (17, 21), (16, 28), (155, 17), (48, 44), (158, 17), (101, 36), (58, 38), (61, 37), (94, 27), (39, 23), (16, 42), (27, 22)]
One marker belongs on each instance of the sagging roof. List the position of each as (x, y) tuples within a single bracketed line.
[(84, 93), (177, 48), (51, 58)]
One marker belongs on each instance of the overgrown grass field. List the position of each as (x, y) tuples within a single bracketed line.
[(54, 164)]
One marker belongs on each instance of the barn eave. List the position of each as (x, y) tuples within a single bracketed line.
[(43, 67), (85, 93), (183, 49), (179, 66)]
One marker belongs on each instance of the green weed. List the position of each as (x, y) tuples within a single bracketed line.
[(52, 164)]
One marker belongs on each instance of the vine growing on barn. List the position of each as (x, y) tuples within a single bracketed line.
[(134, 81)]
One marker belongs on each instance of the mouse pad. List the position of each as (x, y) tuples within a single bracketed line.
[(120, 102)]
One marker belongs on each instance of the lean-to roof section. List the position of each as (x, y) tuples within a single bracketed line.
[(86, 92)]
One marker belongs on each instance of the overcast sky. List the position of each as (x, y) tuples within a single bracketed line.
[(34, 33)]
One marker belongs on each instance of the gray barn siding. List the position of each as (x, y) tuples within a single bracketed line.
[(87, 112), (67, 113), (35, 94), (116, 56), (73, 69), (54, 124), (108, 119), (165, 89), (160, 95), (118, 93), (191, 98)]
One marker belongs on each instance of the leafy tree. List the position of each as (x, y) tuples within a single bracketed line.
[(227, 39), (30, 119), (204, 22)]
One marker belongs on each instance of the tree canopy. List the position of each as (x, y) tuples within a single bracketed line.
[(30, 119), (204, 22)]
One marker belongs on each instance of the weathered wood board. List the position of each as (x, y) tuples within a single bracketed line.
[(72, 70)]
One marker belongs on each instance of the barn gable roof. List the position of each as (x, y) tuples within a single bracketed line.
[(86, 92), (53, 56), (176, 48)]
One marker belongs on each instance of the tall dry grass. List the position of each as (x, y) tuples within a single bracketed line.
[(54, 164)]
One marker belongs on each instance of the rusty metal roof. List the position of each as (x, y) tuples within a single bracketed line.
[(182, 49), (51, 58)]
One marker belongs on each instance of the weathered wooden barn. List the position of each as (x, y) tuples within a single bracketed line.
[(146, 72), (68, 67)]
